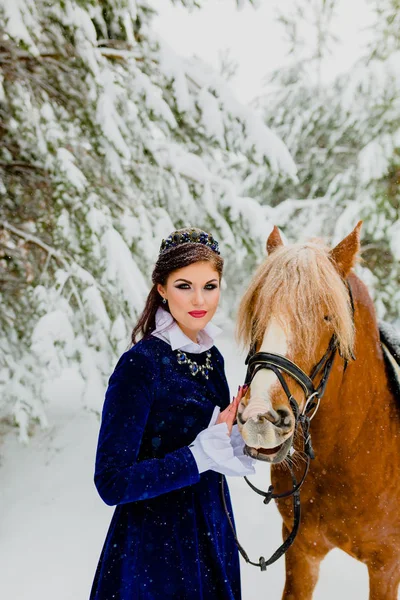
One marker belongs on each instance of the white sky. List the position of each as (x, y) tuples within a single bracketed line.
[(253, 36)]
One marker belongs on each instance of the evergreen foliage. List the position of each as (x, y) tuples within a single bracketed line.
[(110, 141), (345, 138)]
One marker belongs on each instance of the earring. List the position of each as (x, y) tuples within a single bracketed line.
[(164, 301)]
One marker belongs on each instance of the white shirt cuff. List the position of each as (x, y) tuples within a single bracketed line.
[(214, 416), (203, 462)]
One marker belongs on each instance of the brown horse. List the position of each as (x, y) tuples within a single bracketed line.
[(297, 300)]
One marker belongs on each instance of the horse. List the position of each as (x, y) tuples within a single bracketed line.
[(303, 299)]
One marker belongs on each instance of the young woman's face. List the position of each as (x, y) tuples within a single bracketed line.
[(193, 295)]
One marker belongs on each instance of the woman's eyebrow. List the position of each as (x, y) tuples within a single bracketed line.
[(187, 281)]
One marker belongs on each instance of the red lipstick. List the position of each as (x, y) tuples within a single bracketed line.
[(198, 314)]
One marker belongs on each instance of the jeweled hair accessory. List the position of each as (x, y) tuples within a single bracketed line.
[(191, 236)]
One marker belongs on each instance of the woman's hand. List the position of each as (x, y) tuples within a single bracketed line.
[(228, 415)]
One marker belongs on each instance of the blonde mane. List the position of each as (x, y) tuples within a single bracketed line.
[(299, 285)]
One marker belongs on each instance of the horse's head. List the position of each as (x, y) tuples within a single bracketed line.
[(296, 302)]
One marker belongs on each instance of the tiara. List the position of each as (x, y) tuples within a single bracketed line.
[(189, 237)]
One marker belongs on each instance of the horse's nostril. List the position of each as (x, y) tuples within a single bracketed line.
[(271, 416), (285, 419), (240, 418), (280, 418)]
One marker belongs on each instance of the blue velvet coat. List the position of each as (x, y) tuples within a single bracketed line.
[(169, 536)]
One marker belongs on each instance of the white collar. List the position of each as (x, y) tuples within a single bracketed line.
[(167, 329)]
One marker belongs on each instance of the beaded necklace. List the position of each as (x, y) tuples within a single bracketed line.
[(194, 367)]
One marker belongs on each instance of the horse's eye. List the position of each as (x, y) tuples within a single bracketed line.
[(327, 318)]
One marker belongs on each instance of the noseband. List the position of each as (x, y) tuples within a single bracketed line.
[(277, 363)]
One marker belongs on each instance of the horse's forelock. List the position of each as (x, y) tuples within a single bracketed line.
[(299, 285)]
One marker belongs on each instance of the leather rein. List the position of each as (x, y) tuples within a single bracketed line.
[(277, 363)]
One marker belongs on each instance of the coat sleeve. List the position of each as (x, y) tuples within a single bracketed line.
[(119, 476)]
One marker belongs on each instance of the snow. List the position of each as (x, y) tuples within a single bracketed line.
[(173, 66), (121, 269), (85, 36), (21, 15), (53, 328), (95, 307), (185, 163), (154, 98), (73, 173), (375, 157), (127, 21), (394, 239), (54, 523), (259, 138), (195, 73), (108, 118), (210, 114), (119, 334)]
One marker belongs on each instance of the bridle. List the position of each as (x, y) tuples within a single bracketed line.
[(313, 392)]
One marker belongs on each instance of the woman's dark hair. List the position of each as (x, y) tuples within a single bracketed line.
[(170, 260)]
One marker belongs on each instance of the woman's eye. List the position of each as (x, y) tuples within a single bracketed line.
[(185, 286)]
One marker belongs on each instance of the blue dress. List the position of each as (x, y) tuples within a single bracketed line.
[(169, 536)]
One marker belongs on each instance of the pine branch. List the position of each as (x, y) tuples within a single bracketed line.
[(108, 52), (32, 238), (114, 43), (22, 165), (52, 252)]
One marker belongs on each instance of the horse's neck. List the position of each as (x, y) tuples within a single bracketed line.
[(357, 397), (367, 350)]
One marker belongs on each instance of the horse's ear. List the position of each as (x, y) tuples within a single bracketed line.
[(344, 255), (274, 240)]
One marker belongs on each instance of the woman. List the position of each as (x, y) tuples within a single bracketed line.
[(165, 441)]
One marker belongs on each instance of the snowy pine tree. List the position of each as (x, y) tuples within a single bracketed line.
[(110, 141), (345, 138)]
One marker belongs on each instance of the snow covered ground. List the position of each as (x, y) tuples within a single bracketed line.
[(53, 523)]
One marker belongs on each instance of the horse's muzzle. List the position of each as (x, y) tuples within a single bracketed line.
[(271, 455)]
